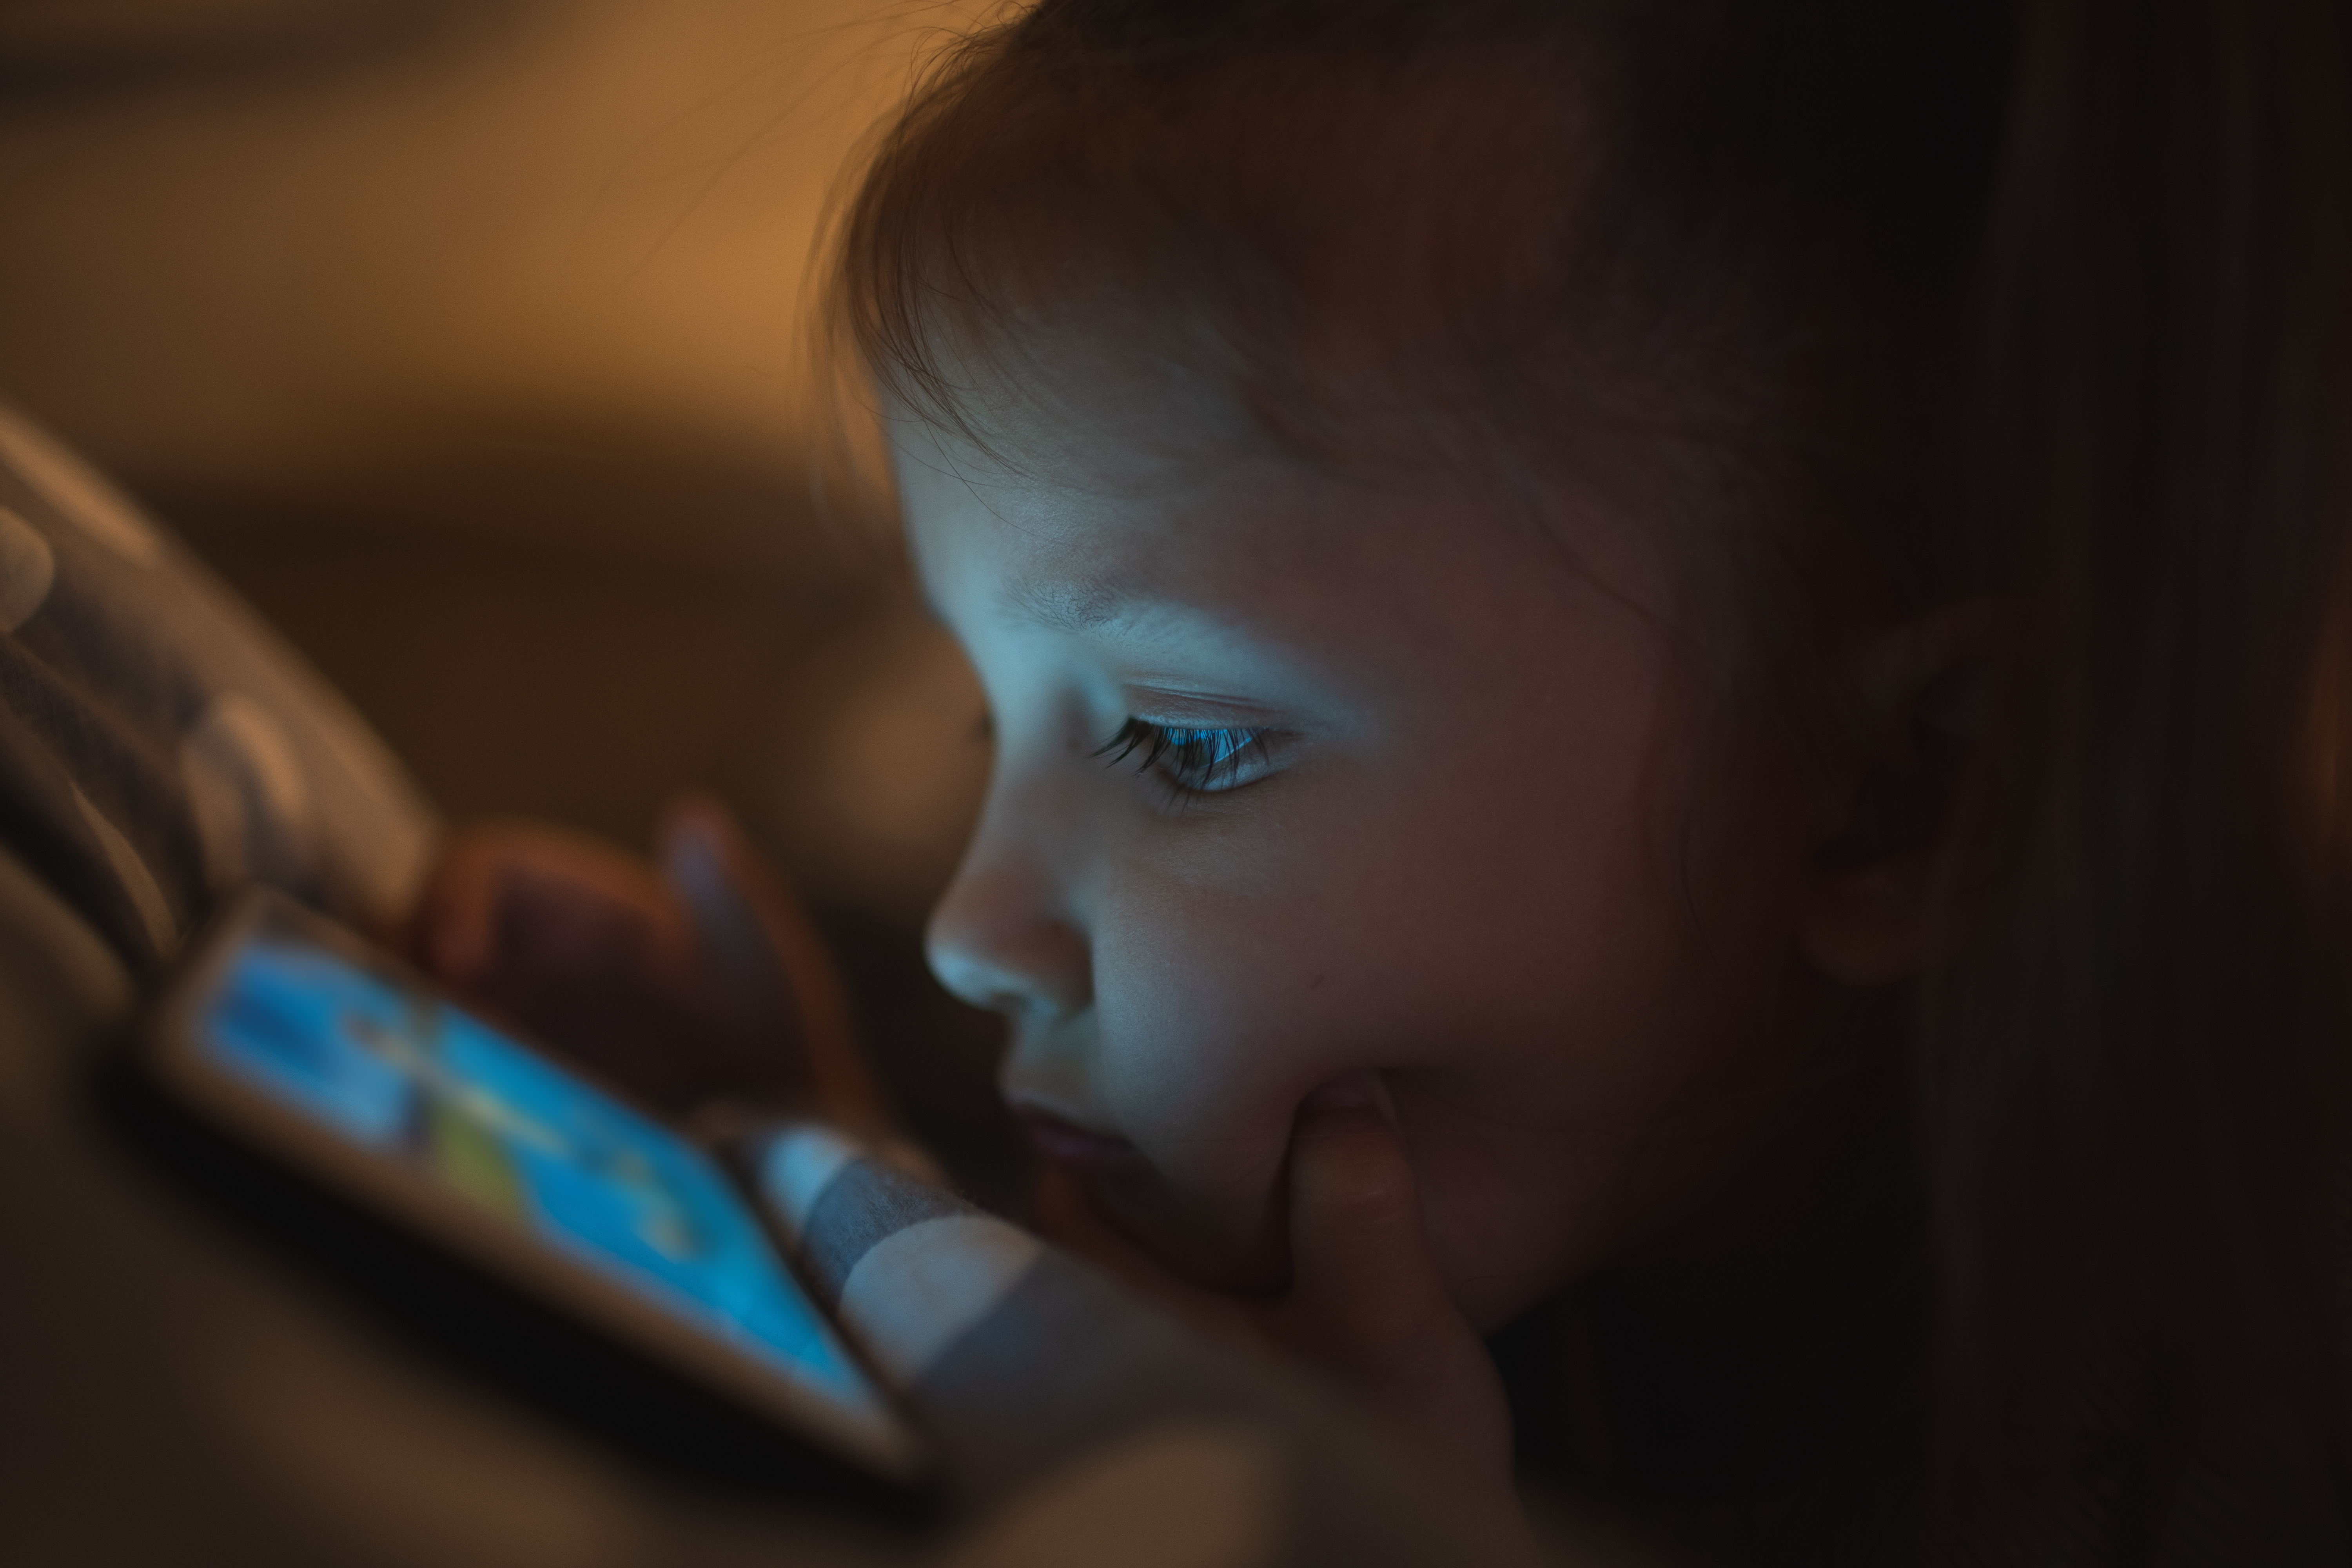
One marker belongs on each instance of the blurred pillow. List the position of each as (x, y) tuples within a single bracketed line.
[(159, 746)]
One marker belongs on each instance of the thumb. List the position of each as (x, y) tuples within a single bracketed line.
[(453, 930), (492, 882), (1358, 1260), (703, 861), (1367, 1298), (768, 960)]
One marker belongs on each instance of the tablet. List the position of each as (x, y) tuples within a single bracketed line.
[(299, 1038)]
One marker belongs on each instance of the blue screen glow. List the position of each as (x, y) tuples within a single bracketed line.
[(515, 1135)]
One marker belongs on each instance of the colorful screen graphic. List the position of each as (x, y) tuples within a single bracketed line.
[(513, 1134)]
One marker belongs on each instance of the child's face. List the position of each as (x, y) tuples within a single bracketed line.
[(1469, 832)]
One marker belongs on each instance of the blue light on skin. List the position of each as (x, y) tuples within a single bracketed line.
[(1453, 865)]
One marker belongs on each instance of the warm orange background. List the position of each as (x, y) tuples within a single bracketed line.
[(465, 336), (468, 339)]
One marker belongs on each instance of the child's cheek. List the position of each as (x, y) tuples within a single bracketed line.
[(1223, 953), (1216, 1016), (1208, 1041)]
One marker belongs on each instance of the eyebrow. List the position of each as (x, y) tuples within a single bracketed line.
[(1061, 607)]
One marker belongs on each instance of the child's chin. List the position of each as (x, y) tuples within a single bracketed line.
[(1216, 1244)]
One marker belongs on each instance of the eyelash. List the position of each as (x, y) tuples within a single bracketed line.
[(1190, 762)]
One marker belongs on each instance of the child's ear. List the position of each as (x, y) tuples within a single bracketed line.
[(1869, 916)]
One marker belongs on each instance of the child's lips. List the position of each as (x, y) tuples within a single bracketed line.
[(1065, 1143)]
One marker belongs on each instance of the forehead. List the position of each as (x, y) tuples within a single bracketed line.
[(1072, 528), (1082, 503)]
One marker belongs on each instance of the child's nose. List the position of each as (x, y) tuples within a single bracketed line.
[(1001, 936)]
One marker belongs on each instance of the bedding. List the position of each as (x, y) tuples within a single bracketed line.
[(159, 746)]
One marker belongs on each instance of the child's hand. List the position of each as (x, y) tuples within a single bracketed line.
[(693, 981), (1366, 1302)]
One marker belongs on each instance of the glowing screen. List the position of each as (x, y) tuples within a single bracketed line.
[(518, 1138)]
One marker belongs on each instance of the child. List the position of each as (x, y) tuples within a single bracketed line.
[(1671, 663)]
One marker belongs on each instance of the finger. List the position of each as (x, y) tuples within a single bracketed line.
[(704, 867), (1368, 1299), (770, 957), (485, 868), (1359, 1259), (565, 890), (453, 931)]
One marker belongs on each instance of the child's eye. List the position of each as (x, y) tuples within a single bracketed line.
[(1195, 761)]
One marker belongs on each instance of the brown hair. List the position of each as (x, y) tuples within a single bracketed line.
[(2043, 300), (1404, 233)]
